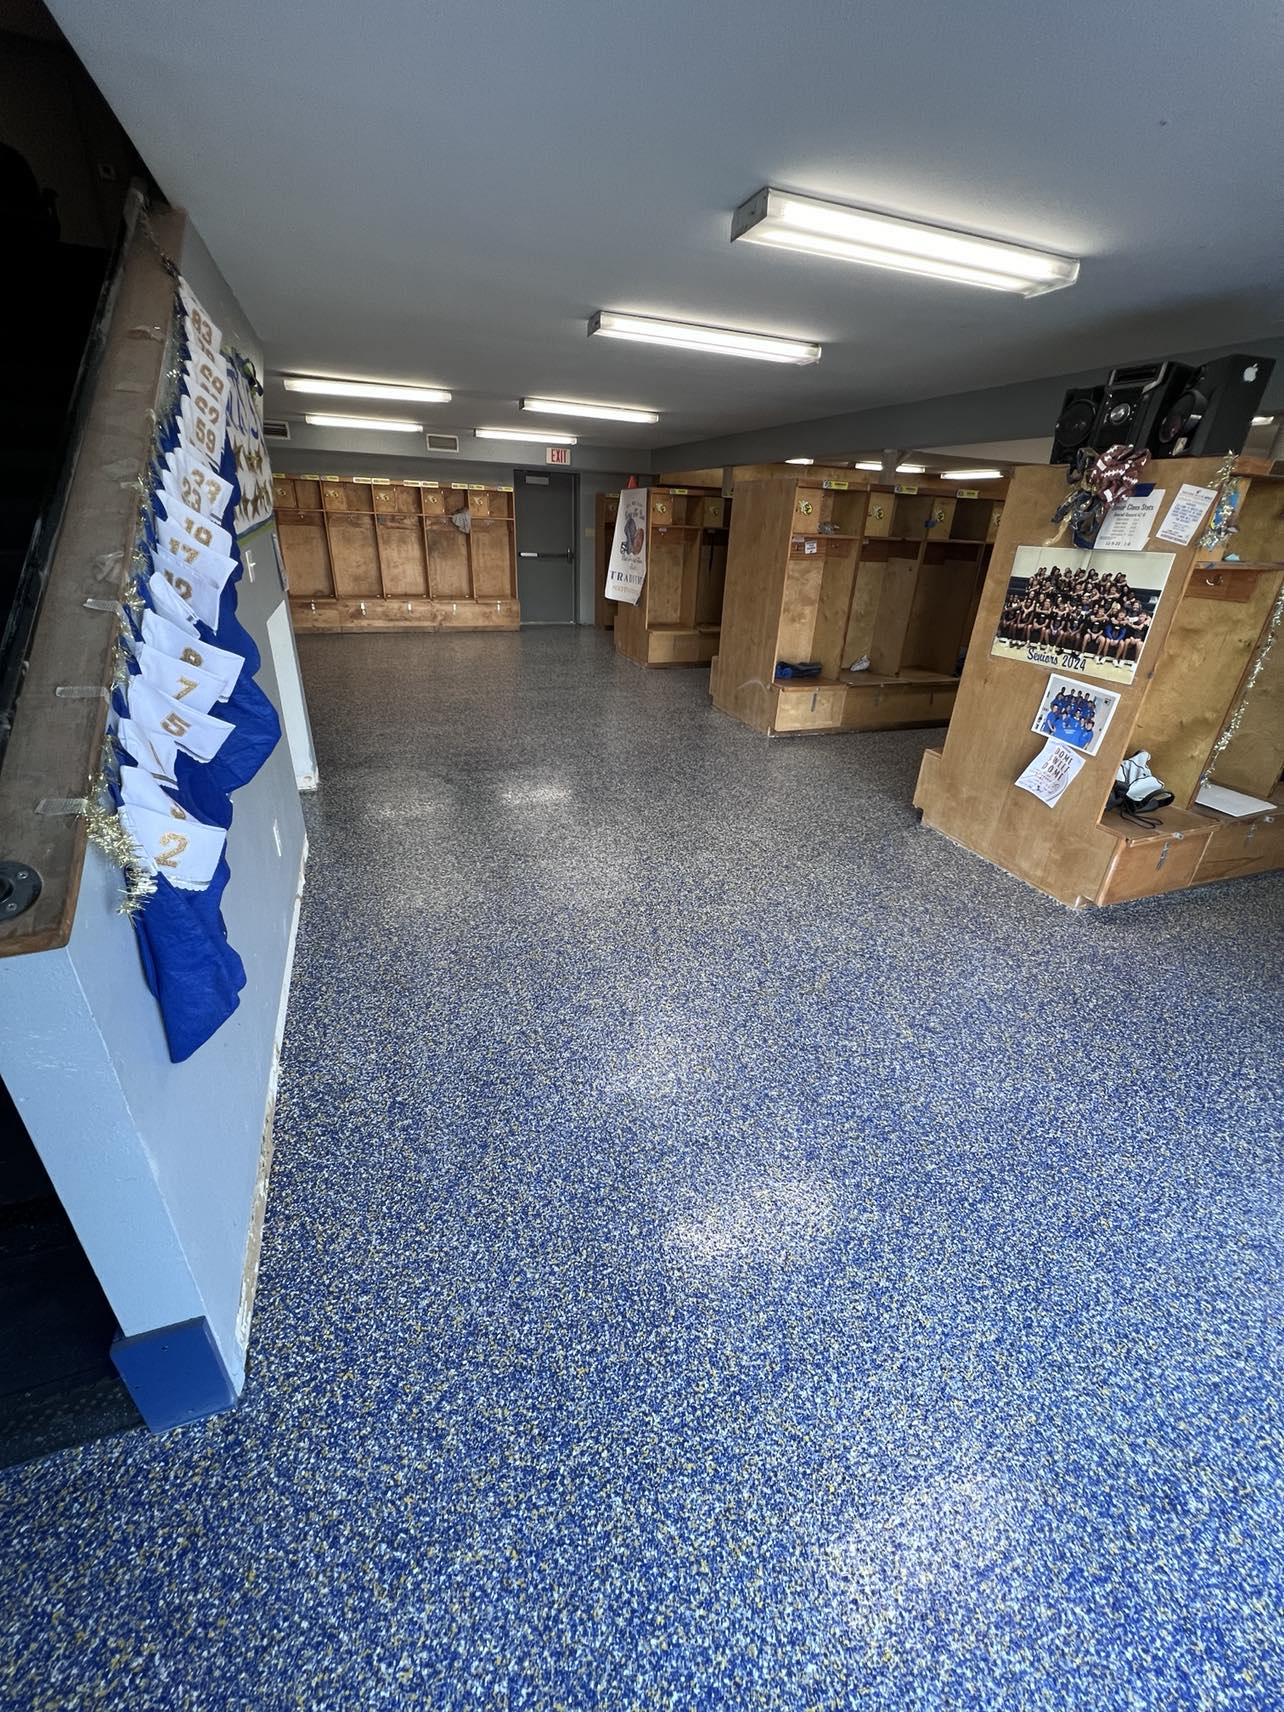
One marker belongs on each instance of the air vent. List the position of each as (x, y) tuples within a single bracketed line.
[(443, 442), (278, 430)]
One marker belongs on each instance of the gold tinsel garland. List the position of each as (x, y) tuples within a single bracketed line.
[(104, 827), (1232, 725)]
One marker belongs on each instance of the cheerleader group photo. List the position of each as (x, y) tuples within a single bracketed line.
[(1088, 611), (1074, 713)]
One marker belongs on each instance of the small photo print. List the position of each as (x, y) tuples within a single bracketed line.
[(1075, 713)]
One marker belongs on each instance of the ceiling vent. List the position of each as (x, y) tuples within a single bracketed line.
[(275, 430), (443, 442)]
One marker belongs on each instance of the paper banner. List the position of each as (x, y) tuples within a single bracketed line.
[(177, 640), (169, 603), (154, 751), (144, 790), (187, 852), (194, 485), (183, 529), (200, 329), (177, 679), (197, 593), (199, 735), (626, 571)]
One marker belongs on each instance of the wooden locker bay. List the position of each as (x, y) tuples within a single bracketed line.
[(367, 553), (1208, 669), (833, 571), (677, 618)]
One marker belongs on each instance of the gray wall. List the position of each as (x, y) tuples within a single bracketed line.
[(1028, 408), (609, 472), (157, 1163)]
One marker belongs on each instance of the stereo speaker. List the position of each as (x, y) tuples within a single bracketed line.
[(1211, 412), (1074, 425), (1134, 404)]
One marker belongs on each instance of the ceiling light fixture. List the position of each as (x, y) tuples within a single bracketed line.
[(901, 469), (715, 341), (526, 434), (788, 222), (389, 424), (971, 475), (1262, 421), (602, 412), (366, 389), (800, 460)]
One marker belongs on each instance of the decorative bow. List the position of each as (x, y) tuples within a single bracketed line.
[(1100, 481)]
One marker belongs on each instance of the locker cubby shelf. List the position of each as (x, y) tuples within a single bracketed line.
[(387, 555)]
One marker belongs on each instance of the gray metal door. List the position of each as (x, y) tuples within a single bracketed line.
[(545, 511)]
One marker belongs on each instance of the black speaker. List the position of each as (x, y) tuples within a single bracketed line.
[(1074, 425), (1134, 404), (1211, 412)]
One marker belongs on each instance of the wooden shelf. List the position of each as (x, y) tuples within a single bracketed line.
[(1238, 565), (799, 591), (1191, 695), (1174, 822), (391, 555), (676, 620)]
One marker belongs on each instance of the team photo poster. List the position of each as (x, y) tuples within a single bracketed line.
[(1075, 713), (1082, 610)]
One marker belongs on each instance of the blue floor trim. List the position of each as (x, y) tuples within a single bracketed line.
[(174, 1374), (729, 1250)]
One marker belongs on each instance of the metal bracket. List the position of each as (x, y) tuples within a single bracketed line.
[(19, 888)]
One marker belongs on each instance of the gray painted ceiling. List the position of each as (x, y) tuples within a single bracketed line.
[(444, 192)]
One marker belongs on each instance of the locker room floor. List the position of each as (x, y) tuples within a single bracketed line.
[(728, 1247)]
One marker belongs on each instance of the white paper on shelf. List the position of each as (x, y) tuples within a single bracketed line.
[(1186, 513), (1130, 522), (1235, 803), (1052, 769)]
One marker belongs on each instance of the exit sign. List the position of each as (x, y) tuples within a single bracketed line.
[(557, 454)]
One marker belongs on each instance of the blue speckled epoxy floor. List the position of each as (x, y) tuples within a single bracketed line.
[(728, 1248)]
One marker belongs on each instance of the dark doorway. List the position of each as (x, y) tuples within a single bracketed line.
[(58, 1386), (545, 510)]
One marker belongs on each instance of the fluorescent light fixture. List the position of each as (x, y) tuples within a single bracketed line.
[(789, 222), (971, 475), (601, 412), (525, 434), (800, 460), (1262, 421), (365, 389), (901, 469), (716, 341), (383, 424)]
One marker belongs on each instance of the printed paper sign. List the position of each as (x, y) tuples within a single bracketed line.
[(1130, 522), (1186, 513), (1080, 609), (626, 571), (1050, 772), (1075, 713), (187, 852), (178, 679), (199, 735), (183, 644)]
